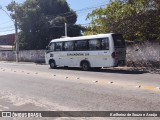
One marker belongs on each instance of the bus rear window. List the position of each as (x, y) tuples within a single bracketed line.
[(118, 41)]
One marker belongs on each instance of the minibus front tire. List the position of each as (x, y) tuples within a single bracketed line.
[(52, 64)]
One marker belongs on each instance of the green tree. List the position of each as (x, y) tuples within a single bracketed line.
[(40, 21), (136, 19)]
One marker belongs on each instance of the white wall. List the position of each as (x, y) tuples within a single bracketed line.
[(26, 56), (138, 54)]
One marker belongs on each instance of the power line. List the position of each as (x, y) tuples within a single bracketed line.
[(5, 22), (11, 26), (96, 5), (80, 11), (59, 26), (84, 9), (7, 30), (88, 8), (84, 24)]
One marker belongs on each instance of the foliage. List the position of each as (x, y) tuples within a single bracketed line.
[(40, 21), (137, 20)]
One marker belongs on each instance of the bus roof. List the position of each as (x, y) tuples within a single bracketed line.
[(81, 37)]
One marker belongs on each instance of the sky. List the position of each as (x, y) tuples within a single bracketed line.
[(7, 26)]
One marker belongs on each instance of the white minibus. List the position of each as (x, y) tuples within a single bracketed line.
[(93, 51)]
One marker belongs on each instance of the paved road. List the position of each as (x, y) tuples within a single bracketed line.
[(27, 86)]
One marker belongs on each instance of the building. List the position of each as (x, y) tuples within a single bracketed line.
[(7, 42)]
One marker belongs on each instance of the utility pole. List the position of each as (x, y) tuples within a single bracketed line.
[(66, 29), (17, 41), (16, 33)]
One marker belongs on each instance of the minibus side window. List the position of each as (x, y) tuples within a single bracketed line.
[(59, 46), (105, 43), (81, 45), (95, 44), (69, 46)]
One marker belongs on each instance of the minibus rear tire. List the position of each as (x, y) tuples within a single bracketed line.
[(85, 66)]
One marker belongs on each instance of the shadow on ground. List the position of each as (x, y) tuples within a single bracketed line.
[(110, 70)]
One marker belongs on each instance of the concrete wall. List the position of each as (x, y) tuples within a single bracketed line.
[(143, 54), (26, 56), (138, 55)]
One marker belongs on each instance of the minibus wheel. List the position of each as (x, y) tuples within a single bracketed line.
[(52, 64), (85, 66)]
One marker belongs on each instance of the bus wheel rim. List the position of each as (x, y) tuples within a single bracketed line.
[(85, 66)]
